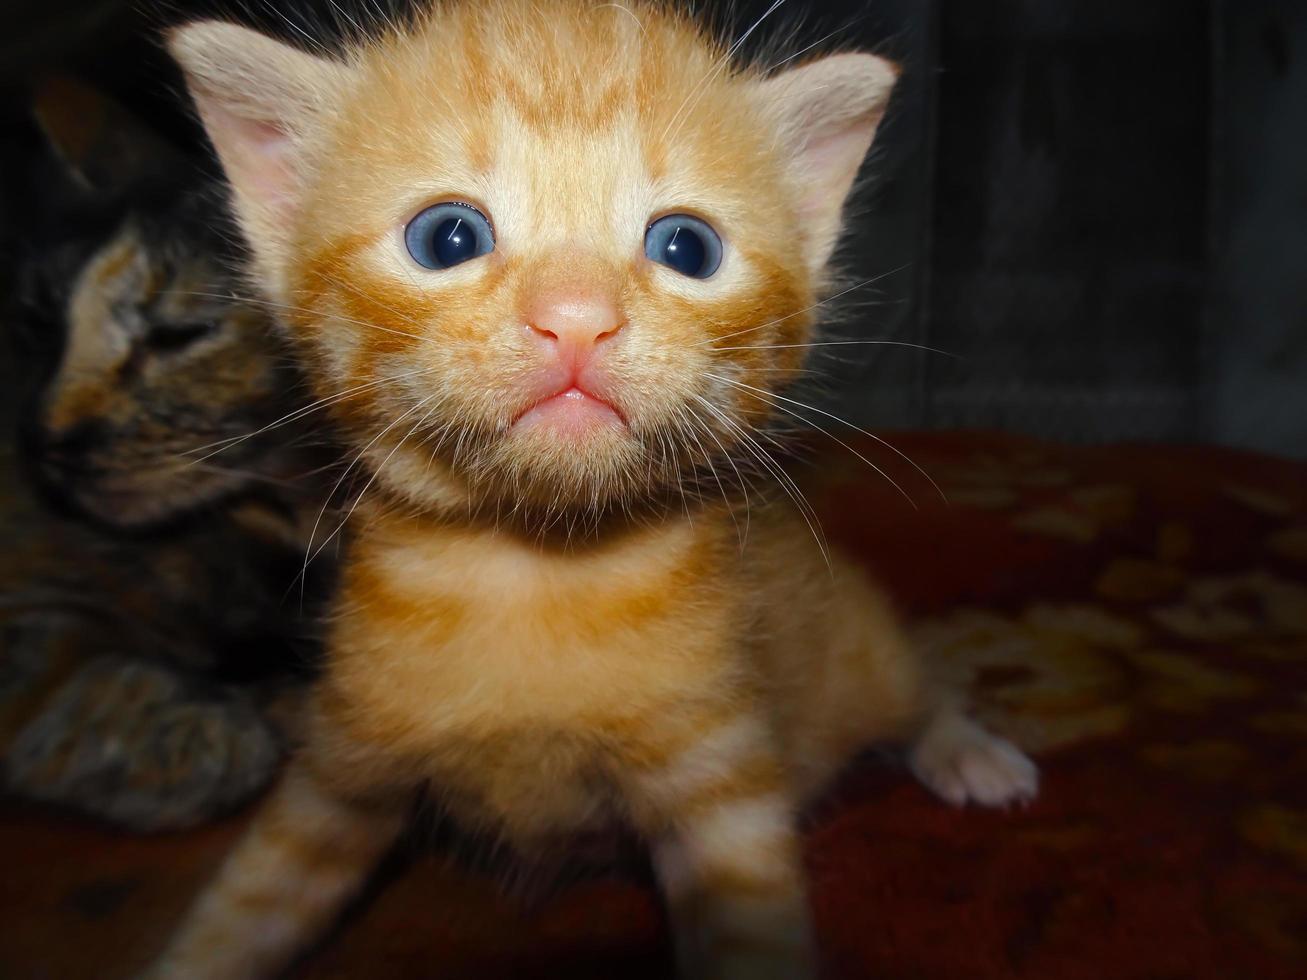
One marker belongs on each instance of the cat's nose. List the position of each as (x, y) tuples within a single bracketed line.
[(573, 324)]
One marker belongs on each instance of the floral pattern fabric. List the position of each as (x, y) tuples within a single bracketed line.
[(1135, 617)]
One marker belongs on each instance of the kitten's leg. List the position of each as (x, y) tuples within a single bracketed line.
[(307, 852), (883, 689), (142, 745), (728, 856), (961, 762)]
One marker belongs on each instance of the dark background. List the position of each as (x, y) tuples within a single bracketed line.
[(1099, 208)]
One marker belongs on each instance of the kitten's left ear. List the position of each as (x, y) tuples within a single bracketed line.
[(826, 114)]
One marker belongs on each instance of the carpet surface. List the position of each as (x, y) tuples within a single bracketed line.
[(1136, 617)]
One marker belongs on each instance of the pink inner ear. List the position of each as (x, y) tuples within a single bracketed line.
[(831, 161), (256, 154)]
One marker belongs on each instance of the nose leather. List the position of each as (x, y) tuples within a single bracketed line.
[(572, 323)]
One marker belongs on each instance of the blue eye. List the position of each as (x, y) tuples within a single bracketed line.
[(685, 244), (446, 235)]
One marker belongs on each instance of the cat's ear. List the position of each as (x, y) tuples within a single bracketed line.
[(260, 100), (104, 148), (826, 113)]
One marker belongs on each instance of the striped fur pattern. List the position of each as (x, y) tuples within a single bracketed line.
[(547, 626), (142, 629)]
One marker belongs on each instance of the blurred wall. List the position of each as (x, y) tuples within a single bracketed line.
[(1255, 355), (1112, 232)]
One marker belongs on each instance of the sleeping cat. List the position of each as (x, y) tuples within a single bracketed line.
[(127, 661), (564, 255)]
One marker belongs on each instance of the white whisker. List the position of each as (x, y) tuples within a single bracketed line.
[(304, 572), (808, 309), (758, 392), (844, 343)]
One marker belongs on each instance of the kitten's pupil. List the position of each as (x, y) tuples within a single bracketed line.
[(454, 242), (685, 252), (686, 244), (446, 235)]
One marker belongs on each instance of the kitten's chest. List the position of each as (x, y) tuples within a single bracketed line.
[(451, 638)]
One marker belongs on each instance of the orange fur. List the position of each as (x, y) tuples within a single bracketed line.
[(542, 631)]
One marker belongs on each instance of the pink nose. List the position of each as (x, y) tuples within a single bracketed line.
[(573, 324)]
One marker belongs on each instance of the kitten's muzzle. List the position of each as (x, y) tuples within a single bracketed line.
[(571, 329)]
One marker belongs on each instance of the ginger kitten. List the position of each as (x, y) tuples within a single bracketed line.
[(560, 255)]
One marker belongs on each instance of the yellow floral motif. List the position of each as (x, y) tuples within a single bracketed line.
[(1275, 920), (1175, 542), (1044, 678), (1088, 623), (1282, 723), (1290, 542), (1138, 580), (1279, 829), (1043, 477), (989, 470), (1215, 610), (1082, 514), (1282, 651), (1259, 500), (1107, 504), (1209, 760), (982, 498), (1057, 522), (1176, 682)]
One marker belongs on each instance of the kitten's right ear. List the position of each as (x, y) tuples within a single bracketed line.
[(259, 100)]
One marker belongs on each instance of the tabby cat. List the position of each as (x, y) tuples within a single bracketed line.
[(127, 660), (563, 255)]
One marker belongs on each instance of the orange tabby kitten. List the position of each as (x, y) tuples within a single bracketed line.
[(561, 254)]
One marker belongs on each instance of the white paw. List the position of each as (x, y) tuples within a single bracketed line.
[(961, 763)]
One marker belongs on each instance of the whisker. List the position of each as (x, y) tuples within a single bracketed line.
[(287, 307), (321, 403), (372, 479), (845, 343), (347, 285), (809, 309), (758, 392), (712, 469), (744, 485), (785, 481), (252, 475), (817, 43), (627, 11), (304, 572), (697, 92)]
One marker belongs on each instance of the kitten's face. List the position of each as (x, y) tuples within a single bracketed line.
[(559, 267), (152, 369)]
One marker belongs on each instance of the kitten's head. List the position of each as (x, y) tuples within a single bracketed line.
[(157, 357), (562, 252)]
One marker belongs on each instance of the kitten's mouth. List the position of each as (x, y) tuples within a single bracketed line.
[(572, 411)]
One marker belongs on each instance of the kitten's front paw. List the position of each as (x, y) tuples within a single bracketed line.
[(961, 762)]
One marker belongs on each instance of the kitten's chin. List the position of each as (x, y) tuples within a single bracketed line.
[(565, 454)]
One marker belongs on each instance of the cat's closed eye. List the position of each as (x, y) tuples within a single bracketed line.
[(169, 338), (449, 234)]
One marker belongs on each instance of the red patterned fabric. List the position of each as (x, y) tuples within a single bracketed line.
[(1134, 616)]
